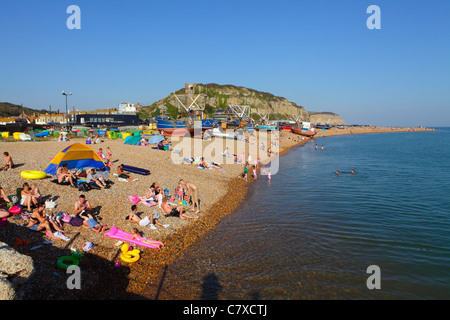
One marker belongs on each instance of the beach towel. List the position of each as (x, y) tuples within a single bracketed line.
[(116, 233)]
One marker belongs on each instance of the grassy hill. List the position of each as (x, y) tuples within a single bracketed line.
[(13, 110)]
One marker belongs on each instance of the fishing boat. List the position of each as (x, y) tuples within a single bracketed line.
[(176, 128), (265, 127), (286, 125), (209, 124), (302, 132)]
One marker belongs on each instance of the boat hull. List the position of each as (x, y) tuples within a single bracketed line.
[(303, 132), (177, 132)]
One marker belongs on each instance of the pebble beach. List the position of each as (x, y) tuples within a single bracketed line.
[(220, 192)]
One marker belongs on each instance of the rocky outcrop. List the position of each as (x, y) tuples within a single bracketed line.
[(326, 118), (15, 269)]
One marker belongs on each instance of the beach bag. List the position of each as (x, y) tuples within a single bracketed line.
[(76, 221), (84, 186), (50, 204)]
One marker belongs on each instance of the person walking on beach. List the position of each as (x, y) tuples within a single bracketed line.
[(245, 175), (192, 192)]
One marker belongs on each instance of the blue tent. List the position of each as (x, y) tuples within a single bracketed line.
[(155, 139), (77, 155)]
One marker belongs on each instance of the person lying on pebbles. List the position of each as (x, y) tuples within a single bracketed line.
[(147, 221), (175, 211)]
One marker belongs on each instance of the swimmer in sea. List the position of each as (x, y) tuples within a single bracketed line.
[(337, 172)]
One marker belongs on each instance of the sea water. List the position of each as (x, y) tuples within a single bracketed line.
[(312, 234)]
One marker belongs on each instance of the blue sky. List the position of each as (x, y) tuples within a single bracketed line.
[(318, 54)]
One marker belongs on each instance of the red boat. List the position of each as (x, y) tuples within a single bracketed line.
[(178, 132), (303, 132)]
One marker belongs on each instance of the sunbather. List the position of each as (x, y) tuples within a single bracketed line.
[(26, 197), (175, 211), (82, 205), (39, 221), (147, 221), (64, 175), (92, 178), (124, 174), (90, 223)]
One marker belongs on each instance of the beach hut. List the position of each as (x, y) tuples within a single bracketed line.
[(77, 155)]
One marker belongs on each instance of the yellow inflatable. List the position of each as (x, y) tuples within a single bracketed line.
[(32, 174), (129, 256)]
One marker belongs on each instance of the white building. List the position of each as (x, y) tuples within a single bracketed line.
[(126, 107)]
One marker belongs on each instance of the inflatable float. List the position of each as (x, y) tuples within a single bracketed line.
[(67, 261), (116, 233), (144, 172), (128, 255), (33, 174)]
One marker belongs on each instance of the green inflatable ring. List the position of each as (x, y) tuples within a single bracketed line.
[(61, 262)]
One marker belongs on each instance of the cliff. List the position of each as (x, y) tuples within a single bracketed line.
[(216, 96), (326, 118)]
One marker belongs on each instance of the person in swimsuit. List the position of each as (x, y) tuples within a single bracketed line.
[(4, 213), (64, 175), (39, 221), (3, 196), (147, 221), (136, 236), (82, 205), (124, 174), (26, 196), (175, 211), (192, 191), (35, 194), (90, 223), (9, 164)]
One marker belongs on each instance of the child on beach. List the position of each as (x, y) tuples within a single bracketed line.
[(9, 164), (245, 172), (109, 156), (35, 194)]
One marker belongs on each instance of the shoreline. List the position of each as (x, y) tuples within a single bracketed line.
[(139, 280), (153, 290)]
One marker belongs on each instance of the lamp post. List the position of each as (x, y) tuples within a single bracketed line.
[(67, 112)]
